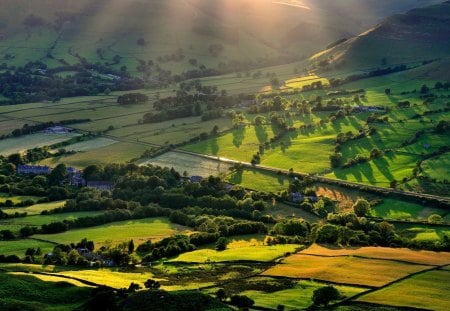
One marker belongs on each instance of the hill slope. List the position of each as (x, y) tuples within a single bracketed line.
[(418, 35), (181, 35)]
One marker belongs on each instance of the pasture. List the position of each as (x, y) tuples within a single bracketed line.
[(246, 253), (259, 180), (401, 210), (15, 224), (193, 165), (27, 292), (299, 296), (19, 247), (437, 168), (23, 143), (139, 230), (343, 270), (35, 209), (419, 232), (17, 198), (425, 290)]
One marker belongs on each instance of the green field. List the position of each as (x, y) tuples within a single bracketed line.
[(17, 198), (297, 297), (193, 165), (119, 152), (23, 143), (139, 230), (26, 292), (35, 209), (425, 290), (18, 247), (419, 232), (437, 168), (259, 180), (15, 224), (395, 209), (250, 253)]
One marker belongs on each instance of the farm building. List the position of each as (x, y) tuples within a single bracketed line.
[(196, 178), (33, 169), (101, 185)]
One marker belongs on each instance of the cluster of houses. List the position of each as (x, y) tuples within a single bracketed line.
[(75, 176), (298, 197)]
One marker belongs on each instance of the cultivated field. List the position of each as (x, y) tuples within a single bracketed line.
[(400, 254), (343, 270)]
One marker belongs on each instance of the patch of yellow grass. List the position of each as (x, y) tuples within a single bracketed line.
[(346, 270), (404, 254)]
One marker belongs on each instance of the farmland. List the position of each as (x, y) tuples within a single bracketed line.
[(35, 209), (417, 291), (21, 144), (246, 253), (343, 270), (139, 230)]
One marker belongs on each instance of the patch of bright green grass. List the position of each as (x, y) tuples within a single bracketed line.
[(397, 209)]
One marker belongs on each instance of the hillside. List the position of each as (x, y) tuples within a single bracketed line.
[(419, 35), (181, 35)]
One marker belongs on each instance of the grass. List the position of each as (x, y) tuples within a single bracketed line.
[(396, 209), (240, 144), (17, 198), (35, 209), (437, 168), (18, 247), (250, 253), (402, 254), (298, 83), (423, 233), (26, 292), (193, 165), (139, 230), (23, 143), (90, 144), (15, 224), (426, 290), (343, 270), (119, 152), (298, 297), (259, 180)]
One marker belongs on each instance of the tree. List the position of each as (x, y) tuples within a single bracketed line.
[(424, 89), (361, 207), (221, 244), (57, 175), (221, 294), (328, 234), (336, 159), (241, 301), (131, 247), (435, 219), (324, 295), (387, 92), (152, 284)]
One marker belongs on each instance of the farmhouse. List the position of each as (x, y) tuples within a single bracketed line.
[(101, 185), (33, 169), (360, 109)]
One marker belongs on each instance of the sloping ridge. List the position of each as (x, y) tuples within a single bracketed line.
[(418, 35)]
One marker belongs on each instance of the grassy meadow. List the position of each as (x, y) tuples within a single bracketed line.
[(35, 209), (244, 253), (139, 230), (425, 290)]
